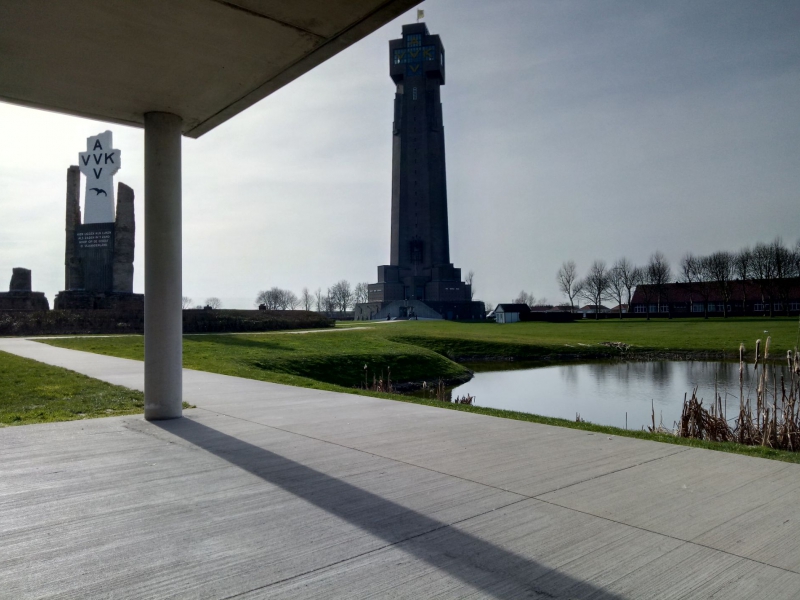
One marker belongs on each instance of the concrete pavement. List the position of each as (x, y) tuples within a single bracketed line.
[(270, 491)]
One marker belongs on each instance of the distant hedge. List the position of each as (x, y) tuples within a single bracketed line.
[(230, 321), (82, 322)]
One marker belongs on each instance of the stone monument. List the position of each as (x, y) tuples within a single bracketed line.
[(420, 278), (20, 295), (99, 246)]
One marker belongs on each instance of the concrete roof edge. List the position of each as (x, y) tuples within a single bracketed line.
[(389, 10), (73, 113)]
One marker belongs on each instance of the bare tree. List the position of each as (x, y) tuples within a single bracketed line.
[(721, 271), (319, 299), (763, 271), (568, 283), (705, 282), (277, 299), (214, 302), (361, 293), (290, 300), (306, 299), (783, 266), (330, 301), (629, 275), (186, 302), (742, 267), (525, 298), (659, 274), (342, 295), (796, 254), (595, 286), (261, 299), (470, 281), (616, 284), (267, 298), (690, 275)]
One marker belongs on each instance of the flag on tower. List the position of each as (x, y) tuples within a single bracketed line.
[(420, 14)]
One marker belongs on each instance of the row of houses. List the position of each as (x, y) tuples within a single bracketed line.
[(715, 299), (737, 298)]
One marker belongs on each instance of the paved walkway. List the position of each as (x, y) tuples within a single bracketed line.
[(269, 491)]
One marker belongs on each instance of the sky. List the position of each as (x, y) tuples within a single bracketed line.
[(574, 130)]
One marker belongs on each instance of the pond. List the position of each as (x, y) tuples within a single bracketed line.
[(604, 391)]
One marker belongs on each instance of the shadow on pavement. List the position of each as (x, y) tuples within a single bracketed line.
[(478, 563)]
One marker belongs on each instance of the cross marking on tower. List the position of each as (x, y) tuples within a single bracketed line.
[(99, 164)]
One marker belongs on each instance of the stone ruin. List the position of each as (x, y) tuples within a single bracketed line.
[(19, 295)]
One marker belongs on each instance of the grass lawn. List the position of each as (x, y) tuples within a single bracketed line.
[(422, 350), (539, 340), (33, 392)]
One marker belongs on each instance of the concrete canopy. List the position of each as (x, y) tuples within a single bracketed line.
[(205, 60)]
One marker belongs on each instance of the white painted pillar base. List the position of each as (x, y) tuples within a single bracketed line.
[(163, 319)]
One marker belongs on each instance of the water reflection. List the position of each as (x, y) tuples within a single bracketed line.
[(603, 392)]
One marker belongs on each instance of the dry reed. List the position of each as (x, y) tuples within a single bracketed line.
[(442, 394), (379, 384), (772, 419)]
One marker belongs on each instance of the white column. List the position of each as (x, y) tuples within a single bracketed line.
[(163, 321)]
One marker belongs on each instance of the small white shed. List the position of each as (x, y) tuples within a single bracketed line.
[(509, 313)]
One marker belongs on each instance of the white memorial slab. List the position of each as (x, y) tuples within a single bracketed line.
[(99, 164)]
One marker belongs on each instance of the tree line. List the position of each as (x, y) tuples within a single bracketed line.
[(213, 302), (340, 297), (767, 267)]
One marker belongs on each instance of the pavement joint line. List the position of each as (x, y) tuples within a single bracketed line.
[(644, 462), (379, 549), (653, 560), (537, 497), (672, 537), (749, 510)]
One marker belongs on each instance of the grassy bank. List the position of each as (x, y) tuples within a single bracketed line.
[(318, 360), (32, 392)]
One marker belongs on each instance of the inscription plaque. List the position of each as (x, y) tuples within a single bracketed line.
[(94, 245)]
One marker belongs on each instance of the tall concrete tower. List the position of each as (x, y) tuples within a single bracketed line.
[(420, 269), (419, 191)]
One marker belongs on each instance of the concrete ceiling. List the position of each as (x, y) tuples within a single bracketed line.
[(205, 60)]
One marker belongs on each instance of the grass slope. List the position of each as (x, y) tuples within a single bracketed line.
[(33, 392), (318, 360)]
